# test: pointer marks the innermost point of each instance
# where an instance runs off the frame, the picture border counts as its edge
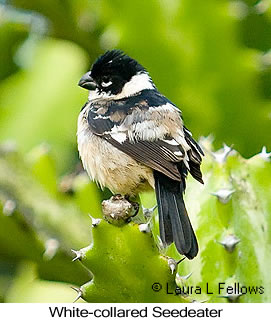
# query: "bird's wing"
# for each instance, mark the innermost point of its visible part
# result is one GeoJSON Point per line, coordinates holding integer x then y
{"type": "Point", "coordinates": [148, 128]}
{"type": "Point", "coordinates": [194, 156]}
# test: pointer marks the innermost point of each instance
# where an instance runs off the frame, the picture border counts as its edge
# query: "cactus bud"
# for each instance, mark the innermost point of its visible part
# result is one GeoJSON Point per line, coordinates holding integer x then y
{"type": "Point", "coordinates": [118, 210]}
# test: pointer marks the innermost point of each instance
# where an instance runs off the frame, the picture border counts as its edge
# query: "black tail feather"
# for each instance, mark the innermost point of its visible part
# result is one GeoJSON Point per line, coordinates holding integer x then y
{"type": "Point", "coordinates": [164, 219]}
{"type": "Point", "coordinates": [174, 223]}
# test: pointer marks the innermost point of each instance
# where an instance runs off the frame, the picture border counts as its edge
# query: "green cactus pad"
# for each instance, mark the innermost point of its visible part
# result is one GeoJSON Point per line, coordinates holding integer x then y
{"type": "Point", "coordinates": [231, 215]}
{"type": "Point", "coordinates": [127, 267]}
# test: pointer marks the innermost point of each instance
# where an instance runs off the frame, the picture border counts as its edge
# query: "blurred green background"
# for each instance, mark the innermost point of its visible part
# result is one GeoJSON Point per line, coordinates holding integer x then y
{"type": "Point", "coordinates": [212, 58]}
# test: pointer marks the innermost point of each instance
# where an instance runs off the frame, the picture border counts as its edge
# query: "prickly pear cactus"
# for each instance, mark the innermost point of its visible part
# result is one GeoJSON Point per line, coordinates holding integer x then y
{"type": "Point", "coordinates": [231, 214]}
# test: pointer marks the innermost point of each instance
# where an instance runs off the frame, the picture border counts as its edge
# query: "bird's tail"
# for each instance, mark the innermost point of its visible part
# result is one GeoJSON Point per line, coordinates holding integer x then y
{"type": "Point", "coordinates": [174, 223]}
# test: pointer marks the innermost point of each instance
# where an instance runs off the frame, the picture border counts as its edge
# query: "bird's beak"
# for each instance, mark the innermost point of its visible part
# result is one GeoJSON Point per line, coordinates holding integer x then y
{"type": "Point", "coordinates": [87, 82]}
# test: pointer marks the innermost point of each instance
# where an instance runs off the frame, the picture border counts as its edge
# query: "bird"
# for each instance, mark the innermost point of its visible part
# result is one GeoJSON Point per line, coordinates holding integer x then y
{"type": "Point", "coordinates": [131, 139]}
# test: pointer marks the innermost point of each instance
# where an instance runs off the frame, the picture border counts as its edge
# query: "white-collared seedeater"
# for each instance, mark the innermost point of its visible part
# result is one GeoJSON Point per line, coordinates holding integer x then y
{"type": "Point", "coordinates": [131, 138]}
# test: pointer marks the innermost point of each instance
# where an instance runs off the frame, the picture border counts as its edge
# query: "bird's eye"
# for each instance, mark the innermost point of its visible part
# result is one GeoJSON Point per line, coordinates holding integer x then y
{"type": "Point", "coordinates": [106, 82]}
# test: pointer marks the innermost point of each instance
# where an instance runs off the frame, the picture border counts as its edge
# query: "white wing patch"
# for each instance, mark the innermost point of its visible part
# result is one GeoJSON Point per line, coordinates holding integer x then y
{"type": "Point", "coordinates": [178, 153]}
{"type": "Point", "coordinates": [119, 136]}
{"type": "Point", "coordinates": [172, 142]}
{"type": "Point", "coordinates": [100, 116]}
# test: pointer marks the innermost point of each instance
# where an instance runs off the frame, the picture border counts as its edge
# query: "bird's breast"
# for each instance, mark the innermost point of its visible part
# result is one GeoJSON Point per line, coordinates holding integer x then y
{"type": "Point", "coordinates": [109, 166]}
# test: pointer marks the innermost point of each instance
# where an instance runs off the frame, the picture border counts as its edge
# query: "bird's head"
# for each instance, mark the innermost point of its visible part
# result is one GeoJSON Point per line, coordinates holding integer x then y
{"type": "Point", "coordinates": [115, 75]}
